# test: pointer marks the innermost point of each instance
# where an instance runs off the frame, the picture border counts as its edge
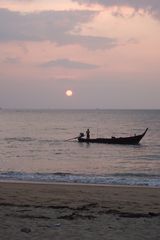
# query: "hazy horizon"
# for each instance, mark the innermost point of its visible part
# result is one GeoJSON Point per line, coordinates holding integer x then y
{"type": "Point", "coordinates": [85, 109]}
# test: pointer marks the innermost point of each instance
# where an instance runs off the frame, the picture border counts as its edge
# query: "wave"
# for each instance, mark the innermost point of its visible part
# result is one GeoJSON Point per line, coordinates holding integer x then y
{"type": "Point", "coordinates": [29, 139]}
{"type": "Point", "coordinates": [115, 179]}
{"type": "Point", "coordinates": [20, 139]}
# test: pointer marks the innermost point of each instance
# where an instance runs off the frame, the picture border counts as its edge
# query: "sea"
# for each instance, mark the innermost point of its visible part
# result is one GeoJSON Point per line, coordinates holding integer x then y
{"type": "Point", "coordinates": [41, 146]}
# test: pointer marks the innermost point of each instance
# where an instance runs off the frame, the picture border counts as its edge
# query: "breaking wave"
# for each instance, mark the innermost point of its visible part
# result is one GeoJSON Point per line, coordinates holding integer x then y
{"type": "Point", "coordinates": [115, 179]}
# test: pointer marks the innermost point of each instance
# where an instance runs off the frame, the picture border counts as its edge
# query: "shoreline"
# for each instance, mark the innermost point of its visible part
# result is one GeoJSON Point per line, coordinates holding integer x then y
{"type": "Point", "coordinates": [76, 183]}
{"type": "Point", "coordinates": [121, 179]}
{"type": "Point", "coordinates": [78, 211]}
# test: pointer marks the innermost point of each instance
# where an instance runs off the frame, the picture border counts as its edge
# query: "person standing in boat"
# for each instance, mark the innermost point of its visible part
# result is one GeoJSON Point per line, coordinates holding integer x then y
{"type": "Point", "coordinates": [88, 133]}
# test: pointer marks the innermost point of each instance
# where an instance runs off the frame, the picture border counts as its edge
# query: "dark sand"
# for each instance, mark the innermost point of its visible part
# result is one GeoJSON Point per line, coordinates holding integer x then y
{"type": "Point", "coordinates": [63, 211]}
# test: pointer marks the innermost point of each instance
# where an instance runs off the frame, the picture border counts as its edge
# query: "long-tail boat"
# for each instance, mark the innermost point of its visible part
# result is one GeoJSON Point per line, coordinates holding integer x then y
{"type": "Point", "coordinates": [132, 140]}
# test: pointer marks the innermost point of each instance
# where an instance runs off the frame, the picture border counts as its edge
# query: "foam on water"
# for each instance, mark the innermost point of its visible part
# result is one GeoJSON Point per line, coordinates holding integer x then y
{"type": "Point", "coordinates": [117, 179]}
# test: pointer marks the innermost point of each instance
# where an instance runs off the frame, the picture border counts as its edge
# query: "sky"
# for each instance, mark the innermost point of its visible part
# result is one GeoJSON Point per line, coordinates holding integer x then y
{"type": "Point", "coordinates": [107, 52]}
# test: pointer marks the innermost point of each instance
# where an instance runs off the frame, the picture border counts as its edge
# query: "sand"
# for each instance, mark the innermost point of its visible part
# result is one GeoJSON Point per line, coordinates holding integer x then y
{"type": "Point", "coordinates": [64, 211]}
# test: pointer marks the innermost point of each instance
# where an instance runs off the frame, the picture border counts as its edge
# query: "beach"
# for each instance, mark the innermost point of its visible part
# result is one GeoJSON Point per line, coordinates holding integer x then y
{"type": "Point", "coordinates": [76, 211]}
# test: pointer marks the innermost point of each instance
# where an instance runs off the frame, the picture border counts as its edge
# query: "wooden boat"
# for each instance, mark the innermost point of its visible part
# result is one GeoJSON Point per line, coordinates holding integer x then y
{"type": "Point", "coordinates": [114, 140]}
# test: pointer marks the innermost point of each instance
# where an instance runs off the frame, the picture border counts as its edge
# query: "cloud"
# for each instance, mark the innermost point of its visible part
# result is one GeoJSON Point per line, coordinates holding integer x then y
{"type": "Point", "coordinates": [150, 6]}
{"type": "Point", "coordinates": [55, 26]}
{"type": "Point", "coordinates": [66, 63]}
{"type": "Point", "coordinates": [11, 60]}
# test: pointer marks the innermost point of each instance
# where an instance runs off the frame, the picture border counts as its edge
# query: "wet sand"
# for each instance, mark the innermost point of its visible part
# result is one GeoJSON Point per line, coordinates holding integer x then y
{"type": "Point", "coordinates": [65, 211]}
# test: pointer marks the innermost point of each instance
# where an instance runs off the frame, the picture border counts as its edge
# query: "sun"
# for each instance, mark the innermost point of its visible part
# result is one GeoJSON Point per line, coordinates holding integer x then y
{"type": "Point", "coordinates": [69, 93]}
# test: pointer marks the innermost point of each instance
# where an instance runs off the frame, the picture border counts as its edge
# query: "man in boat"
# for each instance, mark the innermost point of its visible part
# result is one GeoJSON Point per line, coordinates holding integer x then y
{"type": "Point", "coordinates": [88, 133]}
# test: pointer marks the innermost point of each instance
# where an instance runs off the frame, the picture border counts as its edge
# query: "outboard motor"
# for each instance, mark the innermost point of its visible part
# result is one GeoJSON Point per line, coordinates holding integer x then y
{"type": "Point", "coordinates": [81, 135]}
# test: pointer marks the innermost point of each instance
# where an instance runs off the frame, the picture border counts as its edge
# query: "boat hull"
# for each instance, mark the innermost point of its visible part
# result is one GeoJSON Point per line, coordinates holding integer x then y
{"type": "Point", "coordinates": [133, 140]}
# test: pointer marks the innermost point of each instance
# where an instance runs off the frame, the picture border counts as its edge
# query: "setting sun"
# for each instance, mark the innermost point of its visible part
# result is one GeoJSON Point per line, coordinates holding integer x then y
{"type": "Point", "coordinates": [69, 93]}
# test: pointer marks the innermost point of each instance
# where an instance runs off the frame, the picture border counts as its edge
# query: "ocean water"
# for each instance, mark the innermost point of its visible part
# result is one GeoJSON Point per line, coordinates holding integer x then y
{"type": "Point", "coordinates": [33, 147]}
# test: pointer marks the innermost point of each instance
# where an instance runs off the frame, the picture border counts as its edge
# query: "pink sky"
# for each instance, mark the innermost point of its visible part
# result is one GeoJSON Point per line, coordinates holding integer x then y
{"type": "Point", "coordinates": [107, 54]}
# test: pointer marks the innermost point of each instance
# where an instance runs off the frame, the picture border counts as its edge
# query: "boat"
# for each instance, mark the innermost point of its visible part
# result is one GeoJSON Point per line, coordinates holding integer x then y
{"type": "Point", "coordinates": [132, 140]}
